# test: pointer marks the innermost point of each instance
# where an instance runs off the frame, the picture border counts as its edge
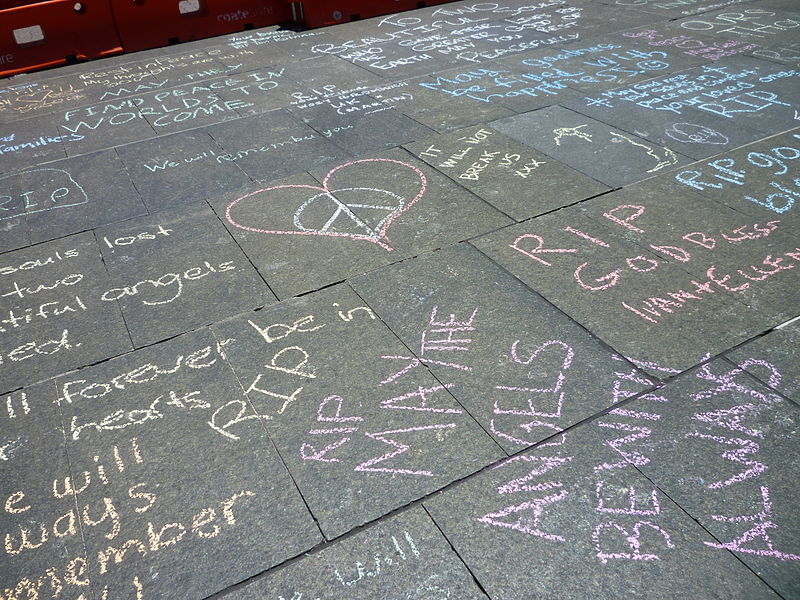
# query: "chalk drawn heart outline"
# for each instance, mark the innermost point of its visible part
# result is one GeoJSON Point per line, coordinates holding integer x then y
{"type": "Point", "coordinates": [379, 239]}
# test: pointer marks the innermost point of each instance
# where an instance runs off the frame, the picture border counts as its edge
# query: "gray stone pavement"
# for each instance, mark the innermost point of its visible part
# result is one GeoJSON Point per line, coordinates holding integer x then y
{"type": "Point", "coordinates": [484, 300]}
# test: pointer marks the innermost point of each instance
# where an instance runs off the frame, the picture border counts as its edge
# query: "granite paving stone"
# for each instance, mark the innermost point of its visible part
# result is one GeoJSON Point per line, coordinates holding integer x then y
{"type": "Point", "coordinates": [53, 319]}
{"type": "Point", "coordinates": [735, 445]}
{"type": "Point", "coordinates": [269, 88]}
{"type": "Point", "coordinates": [509, 83]}
{"type": "Point", "coordinates": [750, 260]}
{"type": "Point", "coordinates": [575, 520]}
{"type": "Point", "coordinates": [697, 136]}
{"type": "Point", "coordinates": [589, 66]}
{"type": "Point", "coordinates": [361, 125]}
{"type": "Point", "coordinates": [648, 309]}
{"type": "Point", "coordinates": [788, 54]}
{"type": "Point", "coordinates": [196, 104]}
{"type": "Point", "coordinates": [509, 175]}
{"type": "Point", "coordinates": [43, 550]}
{"type": "Point", "coordinates": [404, 557]}
{"type": "Point", "coordinates": [773, 359]}
{"type": "Point", "coordinates": [675, 10]}
{"type": "Point", "coordinates": [601, 151]}
{"type": "Point", "coordinates": [176, 474]}
{"type": "Point", "coordinates": [27, 98]}
{"type": "Point", "coordinates": [695, 48]}
{"type": "Point", "coordinates": [485, 300]}
{"type": "Point", "coordinates": [178, 170]}
{"type": "Point", "coordinates": [465, 319]}
{"type": "Point", "coordinates": [67, 196]}
{"type": "Point", "coordinates": [303, 233]}
{"type": "Point", "coordinates": [313, 367]}
{"type": "Point", "coordinates": [758, 179]}
{"type": "Point", "coordinates": [725, 117]}
{"type": "Point", "coordinates": [176, 271]}
{"type": "Point", "coordinates": [104, 125]}
{"type": "Point", "coordinates": [273, 145]}
{"type": "Point", "coordinates": [752, 23]}
{"type": "Point", "coordinates": [31, 140]}
{"type": "Point", "coordinates": [444, 111]}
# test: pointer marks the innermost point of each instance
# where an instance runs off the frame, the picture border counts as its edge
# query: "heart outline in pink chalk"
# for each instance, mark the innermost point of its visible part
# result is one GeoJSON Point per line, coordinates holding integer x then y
{"type": "Point", "coordinates": [380, 239]}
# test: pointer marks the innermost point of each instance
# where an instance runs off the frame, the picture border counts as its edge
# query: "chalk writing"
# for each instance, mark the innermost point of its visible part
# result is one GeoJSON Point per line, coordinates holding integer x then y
{"type": "Point", "coordinates": [725, 173]}
{"type": "Point", "coordinates": [750, 22]}
{"type": "Point", "coordinates": [459, 34]}
{"type": "Point", "coordinates": [55, 188]}
{"type": "Point", "coordinates": [532, 510]}
{"type": "Point", "coordinates": [382, 560]}
{"type": "Point", "coordinates": [539, 77]}
{"type": "Point", "coordinates": [393, 206]}
{"type": "Point", "coordinates": [692, 46]}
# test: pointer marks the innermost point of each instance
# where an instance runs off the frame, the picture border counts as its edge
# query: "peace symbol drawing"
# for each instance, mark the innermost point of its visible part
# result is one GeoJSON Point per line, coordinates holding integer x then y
{"type": "Point", "coordinates": [352, 202]}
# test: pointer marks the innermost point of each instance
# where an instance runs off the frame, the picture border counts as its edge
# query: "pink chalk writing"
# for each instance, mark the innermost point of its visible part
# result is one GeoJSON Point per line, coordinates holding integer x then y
{"type": "Point", "coordinates": [632, 540]}
{"type": "Point", "coordinates": [393, 205]}
{"type": "Point", "coordinates": [631, 457]}
{"type": "Point", "coordinates": [739, 454]}
{"type": "Point", "coordinates": [308, 452]}
{"type": "Point", "coordinates": [631, 509]}
{"type": "Point", "coordinates": [544, 402]}
{"type": "Point", "coordinates": [422, 394]}
{"type": "Point", "coordinates": [336, 417]}
{"type": "Point", "coordinates": [538, 249]}
{"type": "Point", "coordinates": [400, 448]}
{"type": "Point", "coordinates": [414, 362]}
{"type": "Point", "coordinates": [533, 510]}
{"type": "Point", "coordinates": [758, 531]}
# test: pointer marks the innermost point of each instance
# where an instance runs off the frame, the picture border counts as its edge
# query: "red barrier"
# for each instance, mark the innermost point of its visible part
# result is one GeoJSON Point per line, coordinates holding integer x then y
{"type": "Point", "coordinates": [318, 13]}
{"type": "Point", "coordinates": [35, 35]}
{"type": "Point", "coordinates": [152, 23]}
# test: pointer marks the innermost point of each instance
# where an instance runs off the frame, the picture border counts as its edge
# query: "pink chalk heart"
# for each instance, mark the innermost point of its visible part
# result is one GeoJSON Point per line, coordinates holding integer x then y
{"type": "Point", "coordinates": [344, 210]}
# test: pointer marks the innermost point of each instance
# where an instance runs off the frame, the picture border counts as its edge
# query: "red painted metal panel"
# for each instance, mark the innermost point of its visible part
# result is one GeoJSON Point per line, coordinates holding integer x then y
{"type": "Point", "coordinates": [152, 23]}
{"type": "Point", "coordinates": [35, 35]}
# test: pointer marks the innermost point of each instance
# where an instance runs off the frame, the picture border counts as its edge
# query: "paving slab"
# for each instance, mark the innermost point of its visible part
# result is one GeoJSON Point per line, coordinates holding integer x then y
{"type": "Point", "coordinates": [751, 259]}
{"type": "Point", "coordinates": [178, 170]}
{"type": "Point", "coordinates": [447, 35]}
{"type": "Point", "coordinates": [773, 359]}
{"type": "Point", "coordinates": [53, 319]}
{"type": "Point", "coordinates": [277, 86]}
{"type": "Point", "coordinates": [700, 112]}
{"type": "Point", "coordinates": [31, 140]}
{"type": "Point", "coordinates": [64, 197]}
{"type": "Point", "coordinates": [312, 367]}
{"type": "Point", "coordinates": [648, 308]}
{"type": "Point", "coordinates": [447, 112]}
{"type": "Point", "coordinates": [466, 320]}
{"type": "Point", "coordinates": [692, 45]}
{"type": "Point", "coordinates": [601, 151]}
{"type": "Point", "coordinates": [180, 478]}
{"type": "Point", "coordinates": [734, 443]}
{"type": "Point", "coordinates": [674, 10]}
{"type": "Point", "coordinates": [758, 179]}
{"type": "Point", "coordinates": [285, 41]}
{"type": "Point", "coordinates": [560, 521]}
{"type": "Point", "coordinates": [21, 99]}
{"type": "Point", "coordinates": [509, 175]}
{"type": "Point", "coordinates": [788, 53]}
{"type": "Point", "coordinates": [43, 552]}
{"type": "Point", "coordinates": [177, 271]}
{"type": "Point", "coordinates": [273, 145]}
{"type": "Point", "coordinates": [405, 556]}
{"type": "Point", "coordinates": [104, 125]}
{"type": "Point", "coordinates": [361, 125]}
{"type": "Point", "coordinates": [751, 23]}
{"type": "Point", "coordinates": [303, 233]}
